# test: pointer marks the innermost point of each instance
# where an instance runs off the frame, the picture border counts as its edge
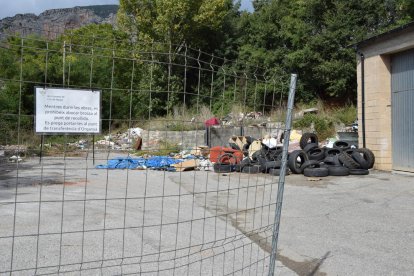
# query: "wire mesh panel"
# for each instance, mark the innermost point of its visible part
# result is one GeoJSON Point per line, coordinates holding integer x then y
{"type": "Point", "coordinates": [124, 201]}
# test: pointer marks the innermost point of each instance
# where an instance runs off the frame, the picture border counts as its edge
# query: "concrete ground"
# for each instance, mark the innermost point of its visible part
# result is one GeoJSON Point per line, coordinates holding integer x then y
{"type": "Point", "coordinates": [199, 223]}
{"type": "Point", "coordinates": [356, 225]}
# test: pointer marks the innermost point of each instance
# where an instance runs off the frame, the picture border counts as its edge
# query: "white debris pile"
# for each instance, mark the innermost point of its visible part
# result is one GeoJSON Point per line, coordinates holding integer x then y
{"type": "Point", "coordinates": [121, 141]}
{"type": "Point", "coordinates": [12, 153]}
{"type": "Point", "coordinates": [205, 165]}
{"type": "Point", "coordinates": [9, 151]}
{"type": "Point", "coordinates": [255, 118]}
{"type": "Point", "coordinates": [15, 159]}
{"type": "Point", "coordinates": [81, 144]}
{"type": "Point", "coordinates": [270, 142]}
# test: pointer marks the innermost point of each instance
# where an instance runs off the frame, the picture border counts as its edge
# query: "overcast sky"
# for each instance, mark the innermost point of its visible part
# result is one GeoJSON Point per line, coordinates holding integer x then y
{"type": "Point", "coordinates": [12, 7]}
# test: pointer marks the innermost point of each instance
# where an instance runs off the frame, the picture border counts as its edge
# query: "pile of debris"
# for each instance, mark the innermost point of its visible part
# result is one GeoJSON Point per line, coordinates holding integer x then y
{"type": "Point", "coordinates": [13, 153]}
{"type": "Point", "coordinates": [130, 139]}
{"type": "Point", "coordinates": [248, 155]}
{"type": "Point", "coordinates": [235, 119]}
{"type": "Point", "coordinates": [193, 159]}
{"type": "Point", "coordinates": [81, 144]}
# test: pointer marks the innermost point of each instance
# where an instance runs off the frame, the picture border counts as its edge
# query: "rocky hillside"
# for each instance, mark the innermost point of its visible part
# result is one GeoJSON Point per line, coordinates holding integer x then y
{"type": "Point", "coordinates": [53, 22]}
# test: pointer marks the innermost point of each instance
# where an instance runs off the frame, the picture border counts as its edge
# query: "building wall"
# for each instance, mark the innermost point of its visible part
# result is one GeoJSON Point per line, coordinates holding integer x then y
{"type": "Point", "coordinates": [377, 109]}
{"type": "Point", "coordinates": [377, 52]}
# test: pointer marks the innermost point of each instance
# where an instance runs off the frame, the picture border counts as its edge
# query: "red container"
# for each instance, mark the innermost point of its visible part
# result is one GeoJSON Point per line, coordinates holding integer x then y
{"type": "Point", "coordinates": [225, 155]}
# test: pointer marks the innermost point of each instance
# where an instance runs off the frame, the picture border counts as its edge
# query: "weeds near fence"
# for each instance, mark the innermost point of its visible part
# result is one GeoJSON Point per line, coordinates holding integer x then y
{"type": "Point", "coordinates": [326, 121]}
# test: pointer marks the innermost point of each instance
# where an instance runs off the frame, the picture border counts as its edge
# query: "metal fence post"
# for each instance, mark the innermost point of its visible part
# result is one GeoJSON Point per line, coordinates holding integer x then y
{"type": "Point", "coordinates": [281, 184]}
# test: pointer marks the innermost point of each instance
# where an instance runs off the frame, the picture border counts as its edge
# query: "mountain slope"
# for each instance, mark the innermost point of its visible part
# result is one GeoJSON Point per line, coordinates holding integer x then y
{"type": "Point", "coordinates": [53, 22]}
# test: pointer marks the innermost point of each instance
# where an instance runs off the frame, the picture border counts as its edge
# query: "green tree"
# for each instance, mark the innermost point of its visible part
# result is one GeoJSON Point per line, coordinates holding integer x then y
{"type": "Point", "coordinates": [313, 37]}
{"type": "Point", "coordinates": [176, 21]}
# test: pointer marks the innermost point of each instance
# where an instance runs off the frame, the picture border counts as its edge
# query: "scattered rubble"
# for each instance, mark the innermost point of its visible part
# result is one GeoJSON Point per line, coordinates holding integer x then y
{"type": "Point", "coordinates": [81, 144]}
{"type": "Point", "coordinates": [187, 165]}
{"type": "Point", "coordinates": [15, 159]}
{"type": "Point", "coordinates": [244, 154]}
{"type": "Point", "coordinates": [14, 153]}
{"type": "Point", "coordinates": [130, 139]}
{"type": "Point", "coordinates": [235, 119]}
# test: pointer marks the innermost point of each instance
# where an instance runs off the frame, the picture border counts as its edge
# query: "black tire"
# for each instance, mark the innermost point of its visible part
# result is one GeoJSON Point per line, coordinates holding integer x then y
{"type": "Point", "coordinates": [349, 151]}
{"type": "Point", "coordinates": [358, 172]}
{"type": "Point", "coordinates": [368, 155]}
{"type": "Point", "coordinates": [296, 160]}
{"type": "Point", "coordinates": [316, 154]}
{"type": "Point", "coordinates": [308, 138]}
{"type": "Point", "coordinates": [276, 172]}
{"type": "Point", "coordinates": [348, 161]}
{"type": "Point", "coordinates": [332, 152]}
{"type": "Point", "coordinates": [310, 147]}
{"type": "Point", "coordinates": [249, 139]}
{"type": "Point", "coordinates": [223, 168]}
{"type": "Point", "coordinates": [338, 171]}
{"type": "Point", "coordinates": [245, 162]}
{"type": "Point", "coordinates": [256, 154]}
{"type": "Point", "coordinates": [316, 172]}
{"type": "Point", "coordinates": [251, 169]}
{"type": "Point", "coordinates": [234, 146]}
{"type": "Point", "coordinates": [323, 165]}
{"type": "Point", "coordinates": [342, 145]}
{"type": "Point", "coordinates": [274, 155]}
{"type": "Point", "coordinates": [230, 156]}
{"type": "Point", "coordinates": [332, 161]}
{"type": "Point", "coordinates": [310, 164]}
{"type": "Point", "coordinates": [359, 158]}
{"type": "Point", "coordinates": [261, 159]}
{"type": "Point", "coordinates": [246, 149]}
{"type": "Point", "coordinates": [265, 149]}
{"type": "Point", "coordinates": [270, 165]}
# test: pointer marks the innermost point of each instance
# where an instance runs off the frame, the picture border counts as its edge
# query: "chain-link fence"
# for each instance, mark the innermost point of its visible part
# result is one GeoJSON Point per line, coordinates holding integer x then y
{"type": "Point", "coordinates": [122, 201]}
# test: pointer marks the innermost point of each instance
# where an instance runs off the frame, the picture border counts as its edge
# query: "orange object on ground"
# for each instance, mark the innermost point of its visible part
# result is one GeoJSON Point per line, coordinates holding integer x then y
{"type": "Point", "coordinates": [225, 155]}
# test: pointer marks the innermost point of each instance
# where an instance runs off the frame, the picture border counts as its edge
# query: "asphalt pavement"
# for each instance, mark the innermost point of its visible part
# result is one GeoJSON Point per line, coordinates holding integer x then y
{"type": "Point", "coordinates": [64, 210]}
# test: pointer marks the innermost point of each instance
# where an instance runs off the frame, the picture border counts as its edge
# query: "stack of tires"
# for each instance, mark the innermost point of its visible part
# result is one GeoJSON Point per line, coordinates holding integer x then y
{"type": "Point", "coordinates": [265, 160]}
{"type": "Point", "coordinates": [341, 160]}
{"type": "Point", "coordinates": [258, 158]}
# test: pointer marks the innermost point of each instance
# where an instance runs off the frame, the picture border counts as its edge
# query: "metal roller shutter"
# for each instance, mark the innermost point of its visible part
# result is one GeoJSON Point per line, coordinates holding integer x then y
{"type": "Point", "coordinates": [402, 88]}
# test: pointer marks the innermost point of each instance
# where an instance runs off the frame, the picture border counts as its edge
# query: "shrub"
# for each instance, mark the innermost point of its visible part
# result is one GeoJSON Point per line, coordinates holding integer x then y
{"type": "Point", "coordinates": [324, 125]}
{"type": "Point", "coordinates": [346, 114]}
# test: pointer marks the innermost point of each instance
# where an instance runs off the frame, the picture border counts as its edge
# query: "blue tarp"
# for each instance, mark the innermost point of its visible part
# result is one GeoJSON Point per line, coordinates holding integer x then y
{"type": "Point", "coordinates": [161, 162]}
{"type": "Point", "coordinates": [156, 162]}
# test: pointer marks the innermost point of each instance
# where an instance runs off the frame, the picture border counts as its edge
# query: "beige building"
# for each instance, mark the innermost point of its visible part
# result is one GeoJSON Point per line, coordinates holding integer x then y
{"type": "Point", "coordinates": [386, 98]}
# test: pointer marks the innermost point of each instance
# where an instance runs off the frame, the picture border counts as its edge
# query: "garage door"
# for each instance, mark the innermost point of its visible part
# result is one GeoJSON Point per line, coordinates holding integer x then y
{"type": "Point", "coordinates": [402, 86]}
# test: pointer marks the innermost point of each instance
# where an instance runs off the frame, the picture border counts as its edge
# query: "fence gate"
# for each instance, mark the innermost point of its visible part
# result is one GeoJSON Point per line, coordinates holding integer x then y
{"type": "Point", "coordinates": [81, 195]}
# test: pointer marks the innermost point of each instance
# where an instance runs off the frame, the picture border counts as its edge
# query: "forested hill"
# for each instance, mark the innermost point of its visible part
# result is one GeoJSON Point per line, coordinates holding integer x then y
{"type": "Point", "coordinates": [52, 22]}
{"type": "Point", "coordinates": [309, 37]}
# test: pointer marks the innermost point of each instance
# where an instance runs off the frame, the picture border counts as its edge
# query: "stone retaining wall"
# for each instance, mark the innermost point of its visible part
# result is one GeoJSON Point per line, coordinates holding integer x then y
{"type": "Point", "coordinates": [218, 136]}
{"type": "Point", "coordinates": [186, 139]}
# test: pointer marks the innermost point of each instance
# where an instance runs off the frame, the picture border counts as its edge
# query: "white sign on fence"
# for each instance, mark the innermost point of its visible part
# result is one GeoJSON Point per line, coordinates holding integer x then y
{"type": "Point", "coordinates": [61, 110]}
